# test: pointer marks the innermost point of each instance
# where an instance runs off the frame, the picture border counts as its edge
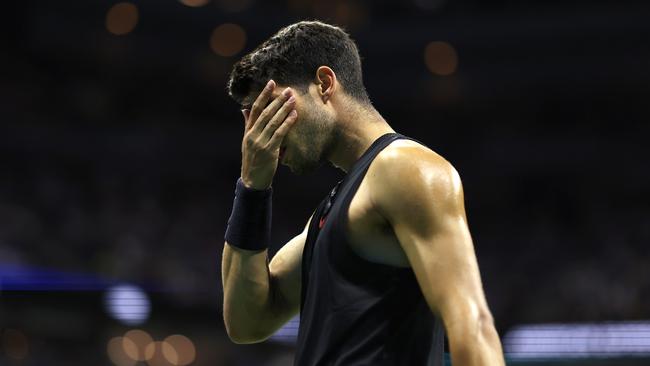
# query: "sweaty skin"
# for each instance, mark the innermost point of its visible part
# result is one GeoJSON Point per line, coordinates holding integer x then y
{"type": "Point", "coordinates": [418, 222]}
{"type": "Point", "coordinates": [427, 215]}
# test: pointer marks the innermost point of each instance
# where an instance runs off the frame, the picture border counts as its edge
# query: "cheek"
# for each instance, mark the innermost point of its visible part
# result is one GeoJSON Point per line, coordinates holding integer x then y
{"type": "Point", "coordinates": [298, 126]}
{"type": "Point", "coordinates": [292, 136]}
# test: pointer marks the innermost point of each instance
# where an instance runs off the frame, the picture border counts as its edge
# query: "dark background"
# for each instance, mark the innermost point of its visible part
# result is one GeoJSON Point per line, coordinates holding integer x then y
{"type": "Point", "coordinates": [119, 155]}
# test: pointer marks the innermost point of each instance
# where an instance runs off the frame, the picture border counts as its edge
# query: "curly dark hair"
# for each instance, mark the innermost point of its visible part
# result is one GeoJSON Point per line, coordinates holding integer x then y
{"type": "Point", "coordinates": [292, 56]}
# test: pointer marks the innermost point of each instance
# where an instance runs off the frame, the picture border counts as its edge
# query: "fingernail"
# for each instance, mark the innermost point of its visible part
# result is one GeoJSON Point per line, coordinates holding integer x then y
{"type": "Point", "coordinates": [291, 100]}
{"type": "Point", "coordinates": [245, 112]}
{"type": "Point", "coordinates": [286, 92]}
{"type": "Point", "coordinates": [269, 85]}
{"type": "Point", "coordinates": [293, 113]}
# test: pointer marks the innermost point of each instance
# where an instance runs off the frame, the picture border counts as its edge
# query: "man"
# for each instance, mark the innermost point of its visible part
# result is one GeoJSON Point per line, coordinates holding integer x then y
{"type": "Point", "coordinates": [386, 260]}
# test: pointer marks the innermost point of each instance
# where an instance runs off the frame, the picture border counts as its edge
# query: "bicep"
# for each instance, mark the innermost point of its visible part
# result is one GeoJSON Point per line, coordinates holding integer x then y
{"type": "Point", "coordinates": [445, 265]}
{"type": "Point", "coordinates": [286, 271]}
{"type": "Point", "coordinates": [428, 216]}
{"type": "Point", "coordinates": [446, 268]}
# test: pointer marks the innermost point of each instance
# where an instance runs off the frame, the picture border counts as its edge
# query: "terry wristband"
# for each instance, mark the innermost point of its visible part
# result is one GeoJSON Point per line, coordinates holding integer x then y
{"type": "Point", "coordinates": [249, 225]}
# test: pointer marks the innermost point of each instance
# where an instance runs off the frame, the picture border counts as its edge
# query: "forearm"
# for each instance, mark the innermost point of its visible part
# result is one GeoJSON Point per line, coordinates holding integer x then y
{"type": "Point", "coordinates": [246, 293]}
{"type": "Point", "coordinates": [249, 308]}
{"type": "Point", "coordinates": [476, 345]}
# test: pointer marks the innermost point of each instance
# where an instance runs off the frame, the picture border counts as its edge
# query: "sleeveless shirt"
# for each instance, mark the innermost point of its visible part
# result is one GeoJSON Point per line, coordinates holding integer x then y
{"type": "Point", "coordinates": [354, 312]}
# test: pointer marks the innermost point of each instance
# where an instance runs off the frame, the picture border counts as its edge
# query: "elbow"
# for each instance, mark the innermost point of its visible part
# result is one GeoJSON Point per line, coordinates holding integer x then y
{"type": "Point", "coordinates": [485, 321]}
{"type": "Point", "coordinates": [236, 336]}
{"type": "Point", "coordinates": [479, 344]}
{"type": "Point", "coordinates": [239, 339]}
{"type": "Point", "coordinates": [488, 332]}
{"type": "Point", "coordinates": [486, 336]}
{"type": "Point", "coordinates": [243, 336]}
{"type": "Point", "coordinates": [244, 326]}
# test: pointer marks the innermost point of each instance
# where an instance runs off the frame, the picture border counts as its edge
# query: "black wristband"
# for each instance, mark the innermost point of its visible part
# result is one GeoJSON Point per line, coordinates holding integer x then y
{"type": "Point", "coordinates": [249, 225]}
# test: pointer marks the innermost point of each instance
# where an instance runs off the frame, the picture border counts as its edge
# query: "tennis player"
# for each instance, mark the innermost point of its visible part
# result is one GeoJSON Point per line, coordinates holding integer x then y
{"type": "Point", "coordinates": [385, 266]}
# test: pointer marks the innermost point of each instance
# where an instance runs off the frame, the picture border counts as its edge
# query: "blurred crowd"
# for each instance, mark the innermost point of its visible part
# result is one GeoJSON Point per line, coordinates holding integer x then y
{"type": "Point", "coordinates": [558, 220]}
{"type": "Point", "coordinates": [119, 153]}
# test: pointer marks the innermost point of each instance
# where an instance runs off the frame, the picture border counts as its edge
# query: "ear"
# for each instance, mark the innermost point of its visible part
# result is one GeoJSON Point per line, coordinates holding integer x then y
{"type": "Point", "coordinates": [326, 82]}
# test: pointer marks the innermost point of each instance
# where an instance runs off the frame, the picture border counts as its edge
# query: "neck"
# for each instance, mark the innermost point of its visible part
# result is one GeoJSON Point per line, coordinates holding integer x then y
{"type": "Point", "coordinates": [356, 130]}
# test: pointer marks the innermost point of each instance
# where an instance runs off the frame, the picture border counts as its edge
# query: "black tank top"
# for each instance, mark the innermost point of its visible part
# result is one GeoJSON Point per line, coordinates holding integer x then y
{"type": "Point", "coordinates": [354, 312]}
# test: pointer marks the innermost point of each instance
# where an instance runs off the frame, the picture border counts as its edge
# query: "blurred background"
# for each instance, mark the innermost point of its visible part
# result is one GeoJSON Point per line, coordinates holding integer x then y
{"type": "Point", "coordinates": [119, 152]}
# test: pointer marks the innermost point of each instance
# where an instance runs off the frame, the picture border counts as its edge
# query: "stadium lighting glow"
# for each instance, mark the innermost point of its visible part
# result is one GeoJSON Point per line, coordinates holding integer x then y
{"type": "Point", "coordinates": [122, 18]}
{"type": "Point", "coordinates": [194, 3]}
{"type": "Point", "coordinates": [595, 340]}
{"type": "Point", "coordinates": [128, 304]}
{"type": "Point", "coordinates": [135, 342]}
{"type": "Point", "coordinates": [115, 351]}
{"type": "Point", "coordinates": [288, 333]}
{"type": "Point", "coordinates": [181, 350]}
{"type": "Point", "coordinates": [157, 352]}
{"type": "Point", "coordinates": [440, 58]}
{"type": "Point", "coordinates": [228, 39]}
{"type": "Point", "coordinates": [14, 344]}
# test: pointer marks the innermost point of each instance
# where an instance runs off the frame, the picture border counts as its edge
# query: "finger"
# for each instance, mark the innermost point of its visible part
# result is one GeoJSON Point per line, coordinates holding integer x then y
{"type": "Point", "coordinates": [262, 100]}
{"type": "Point", "coordinates": [246, 113]}
{"type": "Point", "coordinates": [281, 132]}
{"type": "Point", "coordinates": [278, 118]}
{"type": "Point", "coordinates": [268, 112]}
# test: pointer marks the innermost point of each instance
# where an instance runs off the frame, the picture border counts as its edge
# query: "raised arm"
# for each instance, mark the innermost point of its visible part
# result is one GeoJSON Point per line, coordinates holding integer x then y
{"type": "Point", "coordinates": [427, 213]}
{"type": "Point", "coordinates": [258, 297]}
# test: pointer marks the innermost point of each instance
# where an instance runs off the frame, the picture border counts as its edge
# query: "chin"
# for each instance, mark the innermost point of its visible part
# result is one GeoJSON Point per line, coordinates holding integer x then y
{"type": "Point", "coordinates": [303, 162]}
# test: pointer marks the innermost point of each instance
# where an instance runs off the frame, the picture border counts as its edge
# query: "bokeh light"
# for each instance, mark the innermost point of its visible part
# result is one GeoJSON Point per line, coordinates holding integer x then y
{"type": "Point", "coordinates": [350, 14]}
{"type": "Point", "coordinates": [155, 354]}
{"type": "Point", "coordinates": [195, 3]}
{"type": "Point", "coordinates": [169, 353]}
{"type": "Point", "coordinates": [135, 343]}
{"type": "Point", "coordinates": [122, 18]}
{"type": "Point", "coordinates": [181, 350]}
{"type": "Point", "coordinates": [116, 354]}
{"type": "Point", "coordinates": [441, 58]}
{"type": "Point", "coordinates": [127, 303]}
{"type": "Point", "coordinates": [228, 39]}
{"type": "Point", "coordinates": [14, 344]}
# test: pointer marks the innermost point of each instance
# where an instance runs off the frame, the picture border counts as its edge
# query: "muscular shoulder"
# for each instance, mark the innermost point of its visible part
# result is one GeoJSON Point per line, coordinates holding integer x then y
{"type": "Point", "coordinates": [408, 167]}
{"type": "Point", "coordinates": [407, 178]}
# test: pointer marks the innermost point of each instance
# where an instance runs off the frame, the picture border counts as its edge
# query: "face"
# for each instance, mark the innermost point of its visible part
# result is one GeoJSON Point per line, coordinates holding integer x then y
{"type": "Point", "coordinates": [309, 142]}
